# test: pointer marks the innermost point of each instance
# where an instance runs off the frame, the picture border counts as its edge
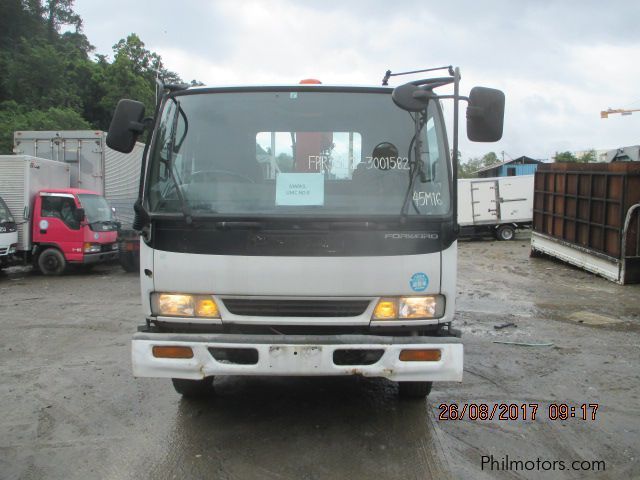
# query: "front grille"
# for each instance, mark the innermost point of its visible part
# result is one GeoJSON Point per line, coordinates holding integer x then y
{"type": "Point", "coordinates": [296, 308]}
{"type": "Point", "coordinates": [3, 251]}
{"type": "Point", "coordinates": [107, 247]}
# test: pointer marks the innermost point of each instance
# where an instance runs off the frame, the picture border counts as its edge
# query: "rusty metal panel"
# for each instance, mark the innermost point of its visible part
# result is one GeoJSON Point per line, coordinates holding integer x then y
{"type": "Point", "coordinates": [586, 204]}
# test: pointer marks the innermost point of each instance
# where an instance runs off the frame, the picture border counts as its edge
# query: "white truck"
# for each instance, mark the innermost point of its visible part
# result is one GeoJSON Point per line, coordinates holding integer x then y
{"type": "Point", "coordinates": [8, 235]}
{"type": "Point", "coordinates": [334, 256]}
{"type": "Point", "coordinates": [497, 205]}
{"type": "Point", "coordinates": [96, 167]}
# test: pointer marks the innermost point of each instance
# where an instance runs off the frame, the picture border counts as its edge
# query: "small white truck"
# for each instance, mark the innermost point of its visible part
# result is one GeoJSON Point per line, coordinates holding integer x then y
{"type": "Point", "coordinates": [497, 205]}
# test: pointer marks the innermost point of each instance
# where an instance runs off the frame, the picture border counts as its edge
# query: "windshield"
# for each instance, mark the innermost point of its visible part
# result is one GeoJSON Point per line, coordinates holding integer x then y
{"type": "Point", "coordinates": [96, 208]}
{"type": "Point", "coordinates": [5, 214]}
{"type": "Point", "coordinates": [304, 153]}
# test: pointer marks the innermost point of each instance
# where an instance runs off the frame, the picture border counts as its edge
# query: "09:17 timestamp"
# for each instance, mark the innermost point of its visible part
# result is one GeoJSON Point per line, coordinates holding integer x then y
{"type": "Point", "coordinates": [516, 411]}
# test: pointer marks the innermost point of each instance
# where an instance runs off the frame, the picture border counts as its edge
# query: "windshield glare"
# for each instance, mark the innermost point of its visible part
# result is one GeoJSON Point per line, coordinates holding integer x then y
{"type": "Point", "coordinates": [96, 208]}
{"type": "Point", "coordinates": [305, 153]}
{"type": "Point", "coordinates": [5, 215]}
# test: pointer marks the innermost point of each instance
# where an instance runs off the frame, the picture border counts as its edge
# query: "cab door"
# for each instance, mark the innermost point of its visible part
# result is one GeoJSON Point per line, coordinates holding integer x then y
{"type": "Point", "coordinates": [55, 224]}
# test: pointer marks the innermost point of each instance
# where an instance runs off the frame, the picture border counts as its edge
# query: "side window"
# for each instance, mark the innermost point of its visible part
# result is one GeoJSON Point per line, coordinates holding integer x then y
{"type": "Point", "coordinates": [50, 207]}
{"type": "Point", "coordinates": [61, 208]}
{"type": "Point", "coordinates": [433, 149]}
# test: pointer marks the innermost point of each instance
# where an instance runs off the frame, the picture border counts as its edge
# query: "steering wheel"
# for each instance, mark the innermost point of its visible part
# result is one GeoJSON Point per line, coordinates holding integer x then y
{"type": "Point", "coordinates": [204, 174]}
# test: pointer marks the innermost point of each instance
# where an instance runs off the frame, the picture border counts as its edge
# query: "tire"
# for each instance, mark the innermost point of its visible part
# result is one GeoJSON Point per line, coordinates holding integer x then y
{"type": "Point", "coordinates": [414, 389]}
{"type": "Point", "coordinates": [51, 262]}
{"type": "Point", "coordinates": [506, 232]}
{"type": "Point", "coordinates": [193, 388]}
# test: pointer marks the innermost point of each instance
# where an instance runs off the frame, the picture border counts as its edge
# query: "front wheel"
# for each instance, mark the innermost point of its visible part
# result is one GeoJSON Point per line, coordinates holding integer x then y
{"type": "Point", "coordinates": [193, 388]}
{"type": "Point", "coordinates": [414, 389]}
{"type": "Point", "coordinates": [51, 262]}
{"type": "Point", "coordinates": [506, 232]}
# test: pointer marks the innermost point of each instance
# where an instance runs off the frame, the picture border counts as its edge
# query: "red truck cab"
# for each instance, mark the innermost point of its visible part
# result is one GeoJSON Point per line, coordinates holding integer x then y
{"type": "Point", "coordinates": [72, 226]}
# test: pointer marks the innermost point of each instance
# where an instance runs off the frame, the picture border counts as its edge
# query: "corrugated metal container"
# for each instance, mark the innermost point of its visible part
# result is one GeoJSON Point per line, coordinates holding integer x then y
{"type": "Point", "coordinates": [80, 149]}
{"type": "Point", "coordinates": [594, 209]}
{"type": "Point", "coordinates": [122, 181]}
{"type": "Point", "coordinates": [21, 177]}
{"type": "Point", "coordinates": [94, 166]}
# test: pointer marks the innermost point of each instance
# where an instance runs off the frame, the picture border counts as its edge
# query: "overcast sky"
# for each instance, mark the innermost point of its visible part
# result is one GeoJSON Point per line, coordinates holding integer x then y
{"type": "Point", "coordinates": [558, 62]}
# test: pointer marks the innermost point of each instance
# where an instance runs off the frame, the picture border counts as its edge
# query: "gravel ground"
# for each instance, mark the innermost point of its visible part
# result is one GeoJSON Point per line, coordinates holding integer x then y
{"type": "Point", "coordinates": [71, 409]}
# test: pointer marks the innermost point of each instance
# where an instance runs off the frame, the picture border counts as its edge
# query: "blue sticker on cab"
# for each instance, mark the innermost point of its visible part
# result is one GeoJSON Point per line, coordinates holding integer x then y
{"type": "Point", "coordinates": [419, 282]}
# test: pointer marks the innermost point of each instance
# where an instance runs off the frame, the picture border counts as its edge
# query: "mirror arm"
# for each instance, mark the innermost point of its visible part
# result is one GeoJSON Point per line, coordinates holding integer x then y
{"type": "Point", "coordinates": [137, 127]}
{"type": "Point", "coordinates": [459, 97]}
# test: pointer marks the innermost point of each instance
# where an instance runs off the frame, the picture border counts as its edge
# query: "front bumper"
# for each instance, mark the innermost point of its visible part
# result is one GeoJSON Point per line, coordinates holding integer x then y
{"type": "Point", "coordinates": [102, 257]}
{"type": "Point", "coordinates": [302, 355]}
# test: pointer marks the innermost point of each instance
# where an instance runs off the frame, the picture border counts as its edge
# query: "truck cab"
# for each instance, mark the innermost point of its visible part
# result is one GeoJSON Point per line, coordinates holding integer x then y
{"type": "Point", "coordinates": [302, 229]}
{"type": "Point", "coordinates": [8, 235]}
{"type": "Point", "coordinates": [72, 227]}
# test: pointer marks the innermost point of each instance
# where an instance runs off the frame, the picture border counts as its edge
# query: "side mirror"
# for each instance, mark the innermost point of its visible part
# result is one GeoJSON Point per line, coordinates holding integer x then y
{"type": "Point", "coordinates": [485, 115]}
{"type": "Point", "coordinates": [78, 214]}
{"type": "Point", "coordinates": [126, 125]}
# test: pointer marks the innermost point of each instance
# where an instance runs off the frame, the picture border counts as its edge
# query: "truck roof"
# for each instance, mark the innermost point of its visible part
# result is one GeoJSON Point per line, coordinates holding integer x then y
{"type": "Point", "coordinates": [291, 86]}
{"type": "Point", "coordinates": [74, 191]}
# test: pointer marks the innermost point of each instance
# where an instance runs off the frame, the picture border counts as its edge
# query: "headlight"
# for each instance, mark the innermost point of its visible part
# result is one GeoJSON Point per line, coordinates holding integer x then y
{"type": "Point", "coordinates": [184, 305]}
{"type": "Point", "coordinates": [409, 308]}
{"type": "Point", "coordinates": [92, 247]}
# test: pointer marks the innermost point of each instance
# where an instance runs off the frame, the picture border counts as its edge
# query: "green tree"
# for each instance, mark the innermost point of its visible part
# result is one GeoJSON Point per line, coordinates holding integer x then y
{"type": "Point", "coordinates": [13, 117]}
{"type": "Point", "coordinates": [565, 157]}
{"type": "Point", "coordinates": [590, 156]}
{"type": "Point", "coordinates": [469, 168]}
{"type": "Point", "coordinates": [48, 79]}
{"type": "Point", "coordinates": [131, 75]}
{"type": "Point", "coordinates": [58, 13]}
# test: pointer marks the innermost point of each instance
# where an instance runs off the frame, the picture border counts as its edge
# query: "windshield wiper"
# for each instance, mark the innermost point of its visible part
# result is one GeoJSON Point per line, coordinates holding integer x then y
{"type": "Point", "coordinates": [103, 222]}
{"type": "Point", "coordinates": [416, 166]}
{"type": "Point", "coordinates": [186, 211]}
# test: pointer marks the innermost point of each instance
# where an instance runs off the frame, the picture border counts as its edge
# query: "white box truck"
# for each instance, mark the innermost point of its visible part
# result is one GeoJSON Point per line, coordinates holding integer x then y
{"type": "Point", "coordinates": [497, 205]}
{"type": "Point", "coordinates": [96, 167]}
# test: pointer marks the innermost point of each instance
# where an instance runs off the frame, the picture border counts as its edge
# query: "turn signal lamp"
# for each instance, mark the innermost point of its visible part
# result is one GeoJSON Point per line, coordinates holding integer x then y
{"type": "Point", "coordinates": [172, 351]}
{"type": "Point", "coordinates": [184, 305]}
{"type": "Point", "coordinates": [387, 309]}
{"type": "Point", "coordinates": [426, 355]}
{"type": "Point", "coordinates": [206, 307]}
{"type": "Point", "coordinates": [91, 247]}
